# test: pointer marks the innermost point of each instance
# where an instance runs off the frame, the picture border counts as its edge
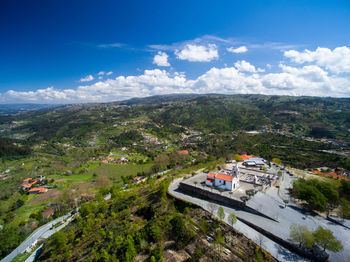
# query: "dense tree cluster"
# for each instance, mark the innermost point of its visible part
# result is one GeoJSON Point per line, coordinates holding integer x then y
{"type": "Point", "coordinates": [9, 148]}
{"type": "Point", "coordinates": [324, 196]}
{"type": "Point", "coordinates": [110, 231]}
{"type": "Point", "coordinates": [318, 194]}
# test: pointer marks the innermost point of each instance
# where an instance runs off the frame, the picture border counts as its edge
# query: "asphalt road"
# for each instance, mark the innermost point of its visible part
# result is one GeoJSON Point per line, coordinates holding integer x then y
{"type": "Point", "coordinates": [42, 232]}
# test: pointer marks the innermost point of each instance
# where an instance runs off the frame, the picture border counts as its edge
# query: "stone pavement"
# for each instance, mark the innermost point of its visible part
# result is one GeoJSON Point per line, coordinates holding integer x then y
{"type": "Point", "coordinates": [272, 204]}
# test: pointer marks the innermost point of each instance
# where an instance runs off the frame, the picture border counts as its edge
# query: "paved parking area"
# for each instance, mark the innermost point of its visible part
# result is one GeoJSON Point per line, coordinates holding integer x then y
{"type": "Point", "coordinates": [271, 203]}
{"type": "Point", "coordinates": [279, 252]}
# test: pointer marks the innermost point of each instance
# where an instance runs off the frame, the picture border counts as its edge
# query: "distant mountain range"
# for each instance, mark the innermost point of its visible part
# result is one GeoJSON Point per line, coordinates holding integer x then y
{"type": "Point", "coordinates": [20, 108]}
{"type": "Point", "coordinates": [315, 116]}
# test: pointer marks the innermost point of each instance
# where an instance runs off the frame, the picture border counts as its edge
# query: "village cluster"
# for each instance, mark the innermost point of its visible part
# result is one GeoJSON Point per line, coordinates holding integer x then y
{"type": "Point", "coordinates": [336, 142]}
{"type": "Point", "coordinates": [116, 159]}
{"type": "Point", "coordinates": [34, 186]}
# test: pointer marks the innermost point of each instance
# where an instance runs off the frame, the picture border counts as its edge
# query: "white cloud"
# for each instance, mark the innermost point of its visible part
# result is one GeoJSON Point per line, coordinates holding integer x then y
{"type": "Point", "coordinates": [245, 66]}
{"type": "Point", "coordinates": [336, 60]}
{"type": "Point", "coordinates": [101, 73]}
{"type": "Point", "coordinates": [151, 82]}
{"type": "Point", "coordinates": [198, 53]}
{"type": "Point", "coordinates": [308, 80]}
{"type": "Point", "coordinates": [241, 49]}
{"type": "Point", "coordinates": [161, 59]}
{"type": "Point", "coordinates": [87, 78]}
{"type": "Point", "coordinates": [109, 73]}
{"type": "Point", "coordinates": [317, 78]}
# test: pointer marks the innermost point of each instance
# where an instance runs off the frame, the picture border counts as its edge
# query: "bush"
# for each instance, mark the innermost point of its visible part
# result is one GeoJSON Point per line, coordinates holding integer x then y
{"type": "Point", "coordinates": [198, 253]}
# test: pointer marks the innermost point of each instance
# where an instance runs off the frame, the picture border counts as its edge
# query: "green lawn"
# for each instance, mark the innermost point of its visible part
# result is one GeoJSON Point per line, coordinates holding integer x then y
{"type": "Point", "coordinates": [67, 181]}
{"type": "Point", "coordinates": [115, 171]}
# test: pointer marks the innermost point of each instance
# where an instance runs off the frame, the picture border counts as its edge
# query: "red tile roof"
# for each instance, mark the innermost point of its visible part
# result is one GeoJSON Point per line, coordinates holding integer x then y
{"type": "Point", "coordinates": [332, 174]}
{"type": "Point", "coordinates": [38, 189]}
{"type": "Point", "coordinates": [224, 177]}
{"type": "Point", "coordinates": [183, 152]}
{"type": "Point", "coordinates": [245, 157]}
{"type": "Point", "coordinates": [211, 175]}
{"type": "Point", "coordinates": [209, 180]}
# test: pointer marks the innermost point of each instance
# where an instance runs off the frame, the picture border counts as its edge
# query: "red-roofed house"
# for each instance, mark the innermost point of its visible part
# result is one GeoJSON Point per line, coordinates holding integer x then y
{"type": "Point", "coordinates": [224, 181]}
{"type": "Point", "coordinates": [183, 152]}
{"type": "Point", "coordinates": [28, 183]}
{"type": "Point", "coordinates": [37, 190]}
{"type": "Point", "coordinates": [331, 174]}
{"type": "Point", "coordinates": [210, 179]}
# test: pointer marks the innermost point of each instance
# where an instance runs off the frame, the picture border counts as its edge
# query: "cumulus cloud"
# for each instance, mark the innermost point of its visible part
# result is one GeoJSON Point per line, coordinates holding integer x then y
{"type": "Point", "coordinates": [245, 66]}
{"type": "Point", "coordinates": [311, 79]}
{"type": "Point", "coordinates": [161, 59]}
{"type": "Point", "coordinates": [198, 53]}
{"type": "Point", "coordinates": [109, 73]}
{"type": "Point", "coordinates": [87, 78]}
{"type": "Point", "coordinates": [101, 73]}
{"type": "Point", "coordinates": [241, 49]}
{"type": "Point", "coordinates": [151, 82]}
{"type": "Point", "coordinates": [336, 60]}
{"type": "Point", "coordinates": [308, 80]}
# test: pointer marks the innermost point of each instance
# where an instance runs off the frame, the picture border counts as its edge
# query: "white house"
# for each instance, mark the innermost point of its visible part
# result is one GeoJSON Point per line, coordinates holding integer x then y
{"type": "Point", "coordinates": [224, 181]}
{"type": "Point", "coordinates": [228, 181]}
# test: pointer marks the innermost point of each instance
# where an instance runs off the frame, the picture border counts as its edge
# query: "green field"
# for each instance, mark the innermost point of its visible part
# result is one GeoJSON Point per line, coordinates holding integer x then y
{"type": "Point", "coordinates": [116, 171]}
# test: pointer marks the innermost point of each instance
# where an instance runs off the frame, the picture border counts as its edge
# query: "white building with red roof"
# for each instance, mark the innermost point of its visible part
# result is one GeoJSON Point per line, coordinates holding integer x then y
{"type": "Point", "coordinates": [224, 180]}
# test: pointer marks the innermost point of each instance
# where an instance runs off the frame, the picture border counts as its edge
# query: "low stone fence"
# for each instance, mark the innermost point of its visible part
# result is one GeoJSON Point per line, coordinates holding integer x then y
{"type": "Point", "coordinates": [337, 222]}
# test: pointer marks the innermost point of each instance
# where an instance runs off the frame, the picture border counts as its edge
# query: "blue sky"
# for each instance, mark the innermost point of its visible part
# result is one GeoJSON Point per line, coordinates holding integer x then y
{"type": "Point", "coordinates": [53, 51]}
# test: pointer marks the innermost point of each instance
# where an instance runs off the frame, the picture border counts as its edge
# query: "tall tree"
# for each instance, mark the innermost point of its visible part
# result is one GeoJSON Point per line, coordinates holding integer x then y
{"type": "Point", "coordinates": [326, 239]}
{"type": "Point", "coordinates": [302, 235]}
{"type": "Point", "coordinates": [221, 213]}
{"type": "Point", "coordinates": [232, 219]}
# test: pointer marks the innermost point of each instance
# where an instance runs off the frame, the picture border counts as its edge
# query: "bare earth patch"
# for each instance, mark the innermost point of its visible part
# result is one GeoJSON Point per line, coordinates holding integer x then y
{"type": "Point", "coordinates": [46, 196]}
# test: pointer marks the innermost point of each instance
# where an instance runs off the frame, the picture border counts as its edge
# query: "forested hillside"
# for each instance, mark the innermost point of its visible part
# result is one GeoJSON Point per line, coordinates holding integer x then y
{"type": "Point", "coordinates": [317, 117]}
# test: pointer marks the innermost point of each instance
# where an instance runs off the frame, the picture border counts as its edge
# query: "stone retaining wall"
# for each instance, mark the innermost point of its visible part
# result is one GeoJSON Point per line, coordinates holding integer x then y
{"type": "Point", "coordinates": [232, 202]}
